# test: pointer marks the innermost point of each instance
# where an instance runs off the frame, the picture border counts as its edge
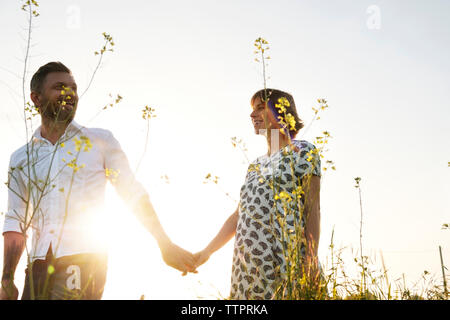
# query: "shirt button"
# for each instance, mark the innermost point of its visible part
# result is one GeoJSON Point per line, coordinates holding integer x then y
{"type": "Point", "coordinates": [52, 231]}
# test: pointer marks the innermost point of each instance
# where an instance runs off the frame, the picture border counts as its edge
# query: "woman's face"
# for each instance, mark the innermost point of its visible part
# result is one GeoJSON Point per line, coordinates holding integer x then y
{"type": "Point", "coordinates": [262, 117]}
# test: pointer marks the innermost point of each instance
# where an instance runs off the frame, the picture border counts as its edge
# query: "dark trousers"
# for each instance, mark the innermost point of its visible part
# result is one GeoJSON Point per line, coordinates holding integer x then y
{"type": "Point", "coordinates": [75, 277]}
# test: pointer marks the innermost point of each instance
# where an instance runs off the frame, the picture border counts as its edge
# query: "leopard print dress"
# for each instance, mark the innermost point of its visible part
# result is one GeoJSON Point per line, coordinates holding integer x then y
{"type": "Point", "coordinates": [269, 214]}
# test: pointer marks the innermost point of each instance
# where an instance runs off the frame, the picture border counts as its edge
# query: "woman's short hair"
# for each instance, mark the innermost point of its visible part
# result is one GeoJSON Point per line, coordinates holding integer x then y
{"type": "Point", "coordinates": [271, 96]}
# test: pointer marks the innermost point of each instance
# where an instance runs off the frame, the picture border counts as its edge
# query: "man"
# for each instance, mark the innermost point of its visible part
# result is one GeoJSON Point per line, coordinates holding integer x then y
{"type": "Point", "coordinates": [56, 186]}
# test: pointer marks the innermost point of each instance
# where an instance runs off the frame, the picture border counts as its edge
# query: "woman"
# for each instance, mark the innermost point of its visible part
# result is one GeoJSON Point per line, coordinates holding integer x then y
{"type": "Point", "coordinates": [277, 222]}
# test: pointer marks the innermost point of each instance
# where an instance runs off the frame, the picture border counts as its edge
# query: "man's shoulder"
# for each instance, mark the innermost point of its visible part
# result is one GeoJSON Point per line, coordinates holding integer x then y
{"type": "Point", "coordinates": [19, 156]}
{"type": "Point", "coordinates": [101, 137]}
{"type": "Point", "coordinates": [96, 133]}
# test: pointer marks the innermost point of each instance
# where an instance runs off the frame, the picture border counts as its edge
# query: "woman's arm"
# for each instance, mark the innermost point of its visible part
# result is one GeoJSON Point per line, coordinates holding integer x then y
{"type": "Point", "coordinates": [225, 234]}
{"type": "Point", "coordinates": [312, 227]}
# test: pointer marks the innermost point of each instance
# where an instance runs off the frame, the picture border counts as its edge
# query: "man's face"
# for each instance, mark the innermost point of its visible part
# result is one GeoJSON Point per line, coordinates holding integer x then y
{"type": "Point", "coordinates": [58, 98]}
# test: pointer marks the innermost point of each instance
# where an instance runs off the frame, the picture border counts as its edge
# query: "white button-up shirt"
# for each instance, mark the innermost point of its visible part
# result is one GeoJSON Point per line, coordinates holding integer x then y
{"type": "Point", "coordinates": [58, 190]}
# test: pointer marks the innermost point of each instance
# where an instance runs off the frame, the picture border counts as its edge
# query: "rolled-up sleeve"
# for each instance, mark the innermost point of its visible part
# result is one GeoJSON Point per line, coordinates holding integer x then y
{"type": "Point", "coordinates": [17, 198]}
{"type": "Point", "coordinates": [118, 171]}
{"type": "Point", "coordinates": [316, 162]}
{"type": "Point", "coordinates": [308, 162]}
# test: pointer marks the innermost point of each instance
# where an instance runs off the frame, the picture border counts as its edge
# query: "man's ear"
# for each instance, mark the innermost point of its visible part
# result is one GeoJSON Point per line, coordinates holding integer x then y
{"type": "Point", "coordinates": [35, 97]}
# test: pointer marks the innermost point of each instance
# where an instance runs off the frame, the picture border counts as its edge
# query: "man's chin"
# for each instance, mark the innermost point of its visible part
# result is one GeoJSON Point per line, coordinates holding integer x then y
{"type": "Point", "coordinates": [67, 119]}
{"type": "Point", "coordinates": [60, 115]}
{"type": "Point", "coordinates": [66, 114]}
{"type": "Point", "coordinates": [61, 118]}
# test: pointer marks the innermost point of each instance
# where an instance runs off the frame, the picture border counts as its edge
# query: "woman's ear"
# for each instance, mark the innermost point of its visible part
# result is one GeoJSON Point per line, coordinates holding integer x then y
{"type": "Point", "coordinates": [273, 122]}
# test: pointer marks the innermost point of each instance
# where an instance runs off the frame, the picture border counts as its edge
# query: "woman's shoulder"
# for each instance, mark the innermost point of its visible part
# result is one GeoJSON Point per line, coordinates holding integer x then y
{"type": "Point", "coordinates": [258, 160]}
{"type": "Point", "coordinates": [303, 144]}
{"type": "Point", "coordinates": [307, 158]}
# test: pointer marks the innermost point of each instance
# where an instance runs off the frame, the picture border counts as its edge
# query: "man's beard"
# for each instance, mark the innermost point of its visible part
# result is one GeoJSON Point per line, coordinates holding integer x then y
{"type": "Point", "coordinates": [54, 111]}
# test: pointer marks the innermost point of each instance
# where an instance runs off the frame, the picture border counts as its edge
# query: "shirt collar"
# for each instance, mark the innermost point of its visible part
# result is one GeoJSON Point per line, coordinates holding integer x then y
{"type": "Point", "coordinates": [72, 129]}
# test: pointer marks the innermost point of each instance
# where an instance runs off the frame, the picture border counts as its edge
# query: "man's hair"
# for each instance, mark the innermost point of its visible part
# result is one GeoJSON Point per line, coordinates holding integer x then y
{"type": "Point", "coordinates": [271, 96]}
{"type": "Point", "coordinates": [38, 79]}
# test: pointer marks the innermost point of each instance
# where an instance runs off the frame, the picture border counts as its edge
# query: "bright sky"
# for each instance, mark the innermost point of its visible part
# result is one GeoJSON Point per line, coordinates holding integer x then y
{"type": "Point", "coordinates": [382, 65]}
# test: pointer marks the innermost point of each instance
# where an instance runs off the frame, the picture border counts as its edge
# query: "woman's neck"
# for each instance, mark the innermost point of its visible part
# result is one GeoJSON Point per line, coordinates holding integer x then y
{"type": "Point", "coordinates": [276, 141]}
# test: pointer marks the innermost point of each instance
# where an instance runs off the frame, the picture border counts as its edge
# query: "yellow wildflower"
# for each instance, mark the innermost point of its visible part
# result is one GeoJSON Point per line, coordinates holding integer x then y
{"type": "Point", "coordinates": [283, 195]}
{"type": "Point", "coordinates": [83, 141]}
{"type": "Point", "coordinates": [298, 191]}
{"type": "Point", "coordinates": [50, 269]}
{"type": "Point", "coordinates": [148, 113]}
{"type": "Point", "coordinates": [77, 143]}
{"type": "Point", "coordinates": [283, 101]}
{"type": "Point", "coordinates": [281, 108]}
{"type": "Point", "coordinates": [112, 174]}
{"type": "Point", "coordinates": [291, 120]}
{"type": "Point", "coordinates": [87, 143]}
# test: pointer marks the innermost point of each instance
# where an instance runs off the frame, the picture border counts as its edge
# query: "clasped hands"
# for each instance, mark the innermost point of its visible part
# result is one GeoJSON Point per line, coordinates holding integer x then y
{"type": "Point", "coordinates": [183, 260]}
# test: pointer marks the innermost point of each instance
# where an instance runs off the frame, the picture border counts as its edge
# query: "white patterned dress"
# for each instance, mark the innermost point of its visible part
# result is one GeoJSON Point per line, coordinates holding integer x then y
{"type": "Point", "coordinates": [269, 210]}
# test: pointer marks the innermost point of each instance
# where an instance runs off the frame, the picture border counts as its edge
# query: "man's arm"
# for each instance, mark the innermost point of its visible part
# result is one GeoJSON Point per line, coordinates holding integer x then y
{"type": "Point", "coordinates": [15, 221]}
{"type": "Point", "coordinates": [132, 192]}
{"type": "Point", "coordinates": [172, 254]}
{"type": "Point", "coordinates": [14, 244]}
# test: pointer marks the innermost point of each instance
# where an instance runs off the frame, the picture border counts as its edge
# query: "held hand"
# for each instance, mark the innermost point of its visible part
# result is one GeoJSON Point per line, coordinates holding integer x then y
{"type": "Point", "coordinates": [201, 257]}
{"type": "Point", "coordinates": [9, 290]}
{"type": "Point", "coordinates": [178, 258]}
